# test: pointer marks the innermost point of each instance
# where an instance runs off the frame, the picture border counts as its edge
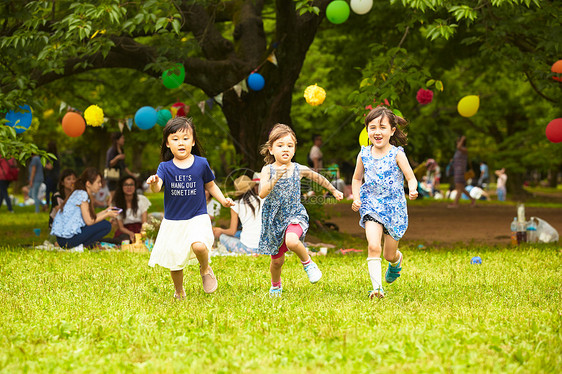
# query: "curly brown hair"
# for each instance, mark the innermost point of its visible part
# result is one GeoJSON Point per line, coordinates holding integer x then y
{"type": "Point", "coordinates": [277, 132]}
{"type": "Point", "coordinates": [399, 138]}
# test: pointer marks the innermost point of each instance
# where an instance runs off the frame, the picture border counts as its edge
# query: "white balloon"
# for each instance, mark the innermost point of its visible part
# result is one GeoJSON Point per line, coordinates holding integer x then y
{"type": "Point", "coordinates": [361, 6]}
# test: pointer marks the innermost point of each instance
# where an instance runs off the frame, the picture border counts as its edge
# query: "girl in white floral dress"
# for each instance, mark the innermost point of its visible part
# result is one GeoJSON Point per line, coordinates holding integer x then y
{"type": "Point", "coordinates": [381, 200]}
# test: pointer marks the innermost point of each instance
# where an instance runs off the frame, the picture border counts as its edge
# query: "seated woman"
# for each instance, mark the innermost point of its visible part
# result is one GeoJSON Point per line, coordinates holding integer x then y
{"type": "Point", "coordinates": [135, 209]}
{"type": "Point", "coordinates": [76, 223]}
{"type": "Point", "coordinates": [64, 189]}
{"type": "Point", "coordinates": [248, 208]}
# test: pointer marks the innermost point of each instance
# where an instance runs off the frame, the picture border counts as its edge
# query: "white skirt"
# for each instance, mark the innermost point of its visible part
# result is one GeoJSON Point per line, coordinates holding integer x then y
{"type": "Point", "coordinates": [172, 248]}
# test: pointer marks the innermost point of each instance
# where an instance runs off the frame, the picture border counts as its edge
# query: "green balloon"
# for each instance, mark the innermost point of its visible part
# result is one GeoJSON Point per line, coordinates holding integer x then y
{"type": "Point", "coordinates": [337, 11]}
{"type": "Point", "coordinates": [173, 78]}
{"type": "Point", "coordinates": [164, 115]}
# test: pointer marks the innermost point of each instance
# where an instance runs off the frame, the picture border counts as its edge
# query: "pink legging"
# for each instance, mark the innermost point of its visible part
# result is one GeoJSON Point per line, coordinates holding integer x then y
{"type": "Point", "coordinates": [294, 228]}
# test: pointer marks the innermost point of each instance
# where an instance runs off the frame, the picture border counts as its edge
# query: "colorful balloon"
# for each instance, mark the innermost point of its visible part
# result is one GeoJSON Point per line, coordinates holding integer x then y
{"type": "Point", "coordinates": [73, 124]}
{"type": "Point", "coordinates": [146, 117]}
{"type": "Point", "coordinates": [93, 116]}
{"type": "Point", "coordinates": [557, 69]}
{"type": "Point", "coordinates": [164, 115]}
{"type": "Point", "coordinates": [554, 130]}
{"type": "Point", "coordinates": [364, 138]}
{"type": "Point", "coordinates": [174, 77]}
{"type": "Point", "coordinates": [256, 81]}
{"type": "Point", "coordinates": [314, 95]}
{"type": "Point", "coordinates": [337, 12]}
{"type": "Point", "coordinates": [179, 109]}
{"type": "Point", "coordinates": [468, 105]}
{"type": "Point", "coordinates": [21, 120]}
{"type": "Point", "coordinates": [361, 6]}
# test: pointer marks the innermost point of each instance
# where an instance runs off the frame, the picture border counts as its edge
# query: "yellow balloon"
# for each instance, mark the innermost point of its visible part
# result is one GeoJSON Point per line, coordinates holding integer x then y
{"type": "Point", "coordinates": [468, 105]}
{"type": "Point", "coordinates": [364, 138]}
{"type": "Point", "coordinates": [314, 95]}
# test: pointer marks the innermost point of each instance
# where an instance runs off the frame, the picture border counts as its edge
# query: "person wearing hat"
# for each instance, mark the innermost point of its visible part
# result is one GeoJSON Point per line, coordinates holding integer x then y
{"type": "Point", "coordinates": [247, 208]}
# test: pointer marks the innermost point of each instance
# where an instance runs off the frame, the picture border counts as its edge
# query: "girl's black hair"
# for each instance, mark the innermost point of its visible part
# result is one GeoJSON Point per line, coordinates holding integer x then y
{"type": "Point", "coordinates": [88, 175]}
{"type": "Point", "coordinates": [250, 198]}
{"type": "Point", "coordinates": [115, 138]}
{"type": "Point", "coordinates": [65, 173]}
{"type": "Point", "coordinates": [399, 137]}
{"type": "Point", "coordinates": [174, 125]}
{"type": "Point", "coordinates": [119, 197]}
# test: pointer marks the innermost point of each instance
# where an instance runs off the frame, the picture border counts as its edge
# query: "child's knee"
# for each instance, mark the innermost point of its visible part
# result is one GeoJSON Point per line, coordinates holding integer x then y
{"type": "Point", "coordinates": [278, 262]}
{"type": "Point", "coordinates": [199, 248]}
{"type": "Point", "coordinates": [375, 250]}
{"type": "Point", "coordinates": [292, 241]}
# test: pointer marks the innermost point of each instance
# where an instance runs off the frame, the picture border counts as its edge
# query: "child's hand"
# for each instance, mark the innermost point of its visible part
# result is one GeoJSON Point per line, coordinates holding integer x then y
{"type": "Point", "coordinates": [356, 205]}
{"type": "Point", "coordinates": [228, 202]}
{"type": "Point", "coordinates": [152, 179]}
{"type": "Point", "coordinates": [338, 195]}
{"type": "Point", "coordinates": [281, 171]}
{"type": "Point", "coordinates": [413, 194]}
{"type": "Point", "coordinates": [111, 212]}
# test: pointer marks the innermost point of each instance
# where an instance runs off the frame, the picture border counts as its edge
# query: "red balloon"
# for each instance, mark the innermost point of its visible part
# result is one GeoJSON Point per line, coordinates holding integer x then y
{"type": "Point", "coordinates": [73, 124]}
{"type": "Point", "coordinates": [179, 109]}
{"type": "Point", "coordinates": [554, 130]}
{"type": "Point", "coordinates": [557, 69]}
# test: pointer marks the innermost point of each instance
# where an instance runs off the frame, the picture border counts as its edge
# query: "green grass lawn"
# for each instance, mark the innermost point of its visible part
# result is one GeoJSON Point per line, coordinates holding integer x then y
{"type": "Point", "coordinates": [110, 312]}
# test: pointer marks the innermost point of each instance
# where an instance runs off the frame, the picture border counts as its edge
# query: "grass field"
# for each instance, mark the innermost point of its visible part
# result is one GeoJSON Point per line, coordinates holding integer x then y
{"type": "Point", "coordinates": [110, 312]}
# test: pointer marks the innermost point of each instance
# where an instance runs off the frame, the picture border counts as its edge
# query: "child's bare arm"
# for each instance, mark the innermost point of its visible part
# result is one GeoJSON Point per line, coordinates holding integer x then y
{"type": "Point", "coordinates": [216, 192]}
{"type": "Point", "coordinates": [155, 183]}
{"type": "Point", "coordinates": [356, 183]}
{"type": "Point", "coordinates": [404, 165]}
{"type": "Point", "coordinates": [267, 184]}
{"type": "Point", "coordinates": [321, 180]}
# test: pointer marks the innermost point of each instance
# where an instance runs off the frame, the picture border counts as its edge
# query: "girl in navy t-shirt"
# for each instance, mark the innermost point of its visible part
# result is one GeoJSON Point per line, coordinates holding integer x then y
{"type": "Point", "coordinates": [186, 232]}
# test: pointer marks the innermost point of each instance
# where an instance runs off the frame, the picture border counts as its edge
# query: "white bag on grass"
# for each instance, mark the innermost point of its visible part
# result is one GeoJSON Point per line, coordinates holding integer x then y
{"type": "Point", "coordinates": [545, 232]}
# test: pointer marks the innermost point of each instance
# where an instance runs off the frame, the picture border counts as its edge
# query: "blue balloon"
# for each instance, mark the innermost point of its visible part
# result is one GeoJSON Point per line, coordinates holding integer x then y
{"type": "Point", "coordinates": [22, 119]}
{"type": "Point", "coordinates": [256, 81]}
{"type": "Point", "coordinates": [146, 117]}
{"type": "Point", "coordinates": [476, 260]}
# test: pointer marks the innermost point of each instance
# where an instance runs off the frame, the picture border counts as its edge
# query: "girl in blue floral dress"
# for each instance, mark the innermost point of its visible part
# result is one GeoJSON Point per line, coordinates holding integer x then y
{"type": "Point", "coordinates": [381, 200]}
{"type": "Point", "coordinates": [284, 218]}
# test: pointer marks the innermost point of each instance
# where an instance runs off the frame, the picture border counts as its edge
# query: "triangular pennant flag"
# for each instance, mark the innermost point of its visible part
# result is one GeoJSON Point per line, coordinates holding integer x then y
{"type": "Point", "coordinates": [244, 85]}
{"type": "Point", "coordinates": [121, 125]}
{"type": "Point", "coordinates": [129, 123]}
{"type": "Point", "coordinates": [63, 106]}
{"type": "Point", "coordinates": [210, 102]}
{"type": "Point", "coordinates": [238, 89]}
{"type": "Point", "coordinates": [218, 98]}
{"type": "Point", "coordinates": [272, 58]}
{"type": "Point", "coordinates": [201, 106]}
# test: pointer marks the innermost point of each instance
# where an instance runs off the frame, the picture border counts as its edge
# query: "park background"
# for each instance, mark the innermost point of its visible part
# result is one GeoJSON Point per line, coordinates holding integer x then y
{"type": "Point", "coordinates": [107, 311]}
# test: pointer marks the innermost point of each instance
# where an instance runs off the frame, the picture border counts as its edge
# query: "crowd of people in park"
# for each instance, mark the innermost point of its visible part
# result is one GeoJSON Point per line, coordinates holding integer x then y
{"type": "Point", "coordinates": [267, 215]}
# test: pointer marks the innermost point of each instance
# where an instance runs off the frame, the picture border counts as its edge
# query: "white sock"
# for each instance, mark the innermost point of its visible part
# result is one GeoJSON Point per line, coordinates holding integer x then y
{"type": "Point", "coordinates": [399, 258]}
{"type": "Point", "coordinates": [375, 271]}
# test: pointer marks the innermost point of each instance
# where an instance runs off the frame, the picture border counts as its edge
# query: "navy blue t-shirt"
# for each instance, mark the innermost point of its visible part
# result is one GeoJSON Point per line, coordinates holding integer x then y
{"type": "Point", "coordinates": [184, 189]}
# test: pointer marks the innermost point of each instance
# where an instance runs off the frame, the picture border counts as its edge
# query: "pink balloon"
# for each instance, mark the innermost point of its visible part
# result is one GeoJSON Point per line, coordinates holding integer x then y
{"type": "Point", "coordinates": [554, 130]}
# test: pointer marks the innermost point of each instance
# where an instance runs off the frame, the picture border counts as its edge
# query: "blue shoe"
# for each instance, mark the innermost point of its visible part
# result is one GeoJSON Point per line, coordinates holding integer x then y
{"type": "Point", "coordinates": [378, 293]}
{"type": "Point", "coordinates": [314, 274]}
{"type": "Point", "coordinates": [393, 272]}
{"type": "Point", "coordinates": [275, 291]}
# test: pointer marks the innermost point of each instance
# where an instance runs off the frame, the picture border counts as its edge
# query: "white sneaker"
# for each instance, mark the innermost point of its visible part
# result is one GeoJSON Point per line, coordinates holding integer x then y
{"type": "Point", "coordinates": [314, 274]}
{"type": "Point", "coordinates": [78, 248]}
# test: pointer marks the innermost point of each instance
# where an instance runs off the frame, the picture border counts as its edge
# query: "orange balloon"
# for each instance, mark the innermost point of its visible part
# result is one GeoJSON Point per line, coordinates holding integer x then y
{"type": "Point", "coordinates": [73, 124]}
{"type": "Point", "coordinates": [557, 69]}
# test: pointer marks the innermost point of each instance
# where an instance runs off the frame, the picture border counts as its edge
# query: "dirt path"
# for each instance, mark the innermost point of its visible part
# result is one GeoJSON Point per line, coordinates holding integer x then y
{"type": "Point", "coordinates": [437, 225]}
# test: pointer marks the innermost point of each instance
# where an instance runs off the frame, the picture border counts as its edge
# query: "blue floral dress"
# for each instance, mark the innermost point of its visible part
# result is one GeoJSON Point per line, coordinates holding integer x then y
{"type": "Point", "coordinates": [282, 207]}
{"type": "Point", "coordinates": [382, 195]}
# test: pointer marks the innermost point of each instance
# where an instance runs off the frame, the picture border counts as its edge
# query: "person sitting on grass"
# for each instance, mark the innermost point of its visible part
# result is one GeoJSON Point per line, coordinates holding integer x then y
{"type": "Point", "coordinates": [64, 189]}
{"type": "Point", "coordinates": [247, 207]}
{"type": "Point", "coordinates": [135, 209]}
{"type": "Point", "coordinates": [76, 223]}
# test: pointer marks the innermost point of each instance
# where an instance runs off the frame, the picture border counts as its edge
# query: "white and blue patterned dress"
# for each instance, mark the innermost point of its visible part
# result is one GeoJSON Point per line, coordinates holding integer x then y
{"type": "Point", "coordinates": [282, 207]}
{"type": "Point", "coordinates": [382, 195]}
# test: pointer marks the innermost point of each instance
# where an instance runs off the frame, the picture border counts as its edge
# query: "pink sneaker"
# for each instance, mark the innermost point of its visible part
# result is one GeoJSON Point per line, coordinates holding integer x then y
{"type": "Point", "coordinates": [210, 283]}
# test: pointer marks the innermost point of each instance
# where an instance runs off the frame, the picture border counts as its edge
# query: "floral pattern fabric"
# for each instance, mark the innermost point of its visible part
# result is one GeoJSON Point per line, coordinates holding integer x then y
{"type": "Point", "coordinates": [69, 221]}
{"type": "Point", "coordinates": [282, 207]}
{"type": "Point", "coordinates": [382, 195]}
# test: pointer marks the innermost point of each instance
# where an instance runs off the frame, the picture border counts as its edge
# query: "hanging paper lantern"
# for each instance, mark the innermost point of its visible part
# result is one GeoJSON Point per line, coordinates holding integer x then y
{"type": "Point", "coordinates": [554, 130]}
{"type": "Point", "coordinates": [256, 81]}
{"type": "Point", "coordinates": [364, 137]}
{"type": "Point", "coordinates": [179, 110]}
{"type": "Point", "coordinates": [424, 96]}
{"type": "Point", "coordinates": [557, 70]}
{"type": "Point", "coordinates": [146, 117]}
{"type": "Point", "coordinates": [361, 6]}
{"type": "Point", "coordinates": [468, 105]}
{"type": "Point", "coordinates": [21, 120]}
{"type": "Point", "coordinates": [73, 124]}
{"type": "Point", "coordinates": [337, 12]}
{"type": "Point", "coordinates": [314, 95]}
{"type": "Point", "coordinates": [173, 78]}
{"type": "Point", "coordinates": [93, 116]}
{"type": "Point", "coordinates": [164, 115]}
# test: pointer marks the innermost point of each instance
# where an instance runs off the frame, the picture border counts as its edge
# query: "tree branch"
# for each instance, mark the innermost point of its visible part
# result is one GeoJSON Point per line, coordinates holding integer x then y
{"type": "Point", "coordinates": [537, 90]}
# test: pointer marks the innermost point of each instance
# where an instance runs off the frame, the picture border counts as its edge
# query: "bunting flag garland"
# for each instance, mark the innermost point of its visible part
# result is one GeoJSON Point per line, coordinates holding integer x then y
{"type": "Point", "coordinates": [201, 106]}
{"type": "Point", "coordinates": [218, 99]}
{"type": "Point", "coordinates": [244, 85]}
{"type": "Point", "coordinates": [272, 58]}
{"type": "Point", "coordinates": [238, 89]}
{"type": "Point", "coordinates": [121, 126]}
{"type": "Point", "coordinates": [129, 122]}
